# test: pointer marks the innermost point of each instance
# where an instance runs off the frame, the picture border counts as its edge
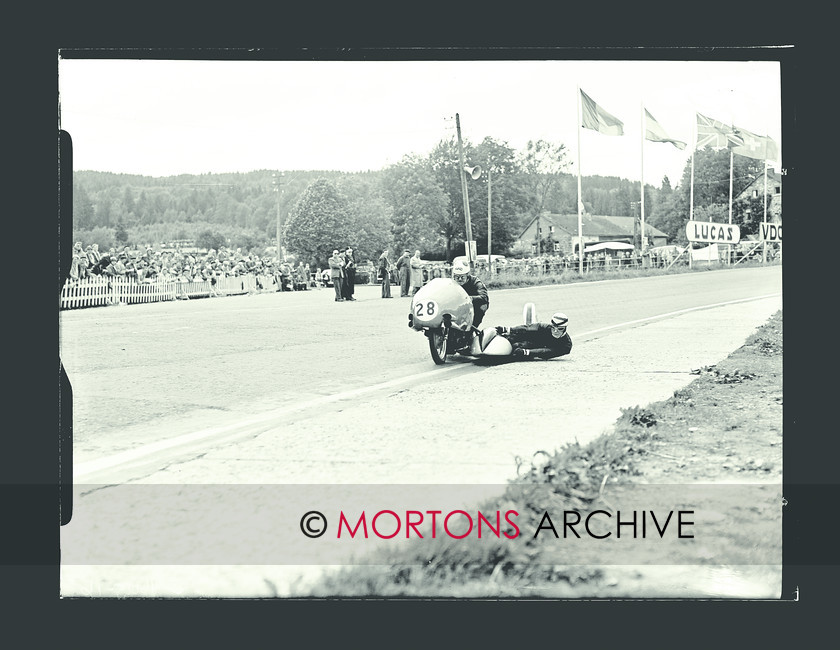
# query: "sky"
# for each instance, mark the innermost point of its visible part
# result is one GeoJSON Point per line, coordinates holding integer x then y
{"type": "Point", "coordinates": [168, 117]}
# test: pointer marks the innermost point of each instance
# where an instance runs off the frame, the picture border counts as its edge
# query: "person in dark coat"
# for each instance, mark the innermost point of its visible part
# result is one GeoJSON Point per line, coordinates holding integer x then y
{"type": "Point", "coordinates": [404, 273]}
{"type": "Point", "coordinates": [349, 274]}
{"type": "Point", "coordinates": [539, 340]}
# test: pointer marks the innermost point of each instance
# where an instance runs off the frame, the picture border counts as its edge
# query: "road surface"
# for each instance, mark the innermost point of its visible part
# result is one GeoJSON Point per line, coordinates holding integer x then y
{"type": "Point", "coordinates": [276, 393]}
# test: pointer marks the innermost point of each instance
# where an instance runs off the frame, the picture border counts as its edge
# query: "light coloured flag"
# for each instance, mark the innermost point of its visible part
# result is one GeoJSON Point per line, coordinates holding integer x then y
{"type": "Point", "coordinates": [655, 133]}
{"type": "Point", "coordinates": [596, 118]}
{"type": "Point", "coordinates": [755, 146]}
{"type": "Point", "coordinates": [715, 133]}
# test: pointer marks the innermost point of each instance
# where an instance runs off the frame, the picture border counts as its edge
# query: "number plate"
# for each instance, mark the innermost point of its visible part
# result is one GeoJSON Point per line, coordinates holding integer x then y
{"type": "Point", "coordinates": [426, 310]}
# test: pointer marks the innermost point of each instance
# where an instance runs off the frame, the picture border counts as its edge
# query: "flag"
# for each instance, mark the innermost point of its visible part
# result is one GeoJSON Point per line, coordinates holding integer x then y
{"type": "Point", "coordinates": [756, 146]}
{"type": "Point", "coordinates": [714, 133]}
{"type": "Point", "coordinates": [655, 133]}
{"type": "Point", "coordinates": [596, 118]}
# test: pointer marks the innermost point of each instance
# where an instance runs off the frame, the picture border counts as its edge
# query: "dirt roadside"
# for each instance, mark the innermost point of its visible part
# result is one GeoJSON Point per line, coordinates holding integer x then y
{"type": "Point", "coordinates": [716, 443]}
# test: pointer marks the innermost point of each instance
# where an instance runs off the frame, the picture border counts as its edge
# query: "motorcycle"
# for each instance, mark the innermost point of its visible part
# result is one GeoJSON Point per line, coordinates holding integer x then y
{"type": "Point", "coordinates": [443, 311]}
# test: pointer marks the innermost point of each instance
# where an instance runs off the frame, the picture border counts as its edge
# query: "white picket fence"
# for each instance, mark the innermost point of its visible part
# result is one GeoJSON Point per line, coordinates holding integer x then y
{"type": "Point", "coordinates": [99, 291]}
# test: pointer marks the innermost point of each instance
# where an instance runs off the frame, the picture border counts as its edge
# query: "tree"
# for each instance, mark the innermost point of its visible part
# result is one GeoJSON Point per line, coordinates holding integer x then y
{"type": "Point", "coordinates": [210, 239]}
{"type": "Point", "coordinates": [671, 210]}
{"type": "Point", "coordinates": [748, 214]}
{"type": "Point", "coordinates": [418, 205]}
{"type": "Point", "coordinates": [369, 215]}
{"type": "Point", "coordinates": [711, 176]}
{"type": "Point", "coordinates": [120, 233]}
{"type": "Point", "coordinates": [83, 211]}
{"type": "Point", "coordinates": [128, 201]}
{"type": "Point", "coordinates": [318, 223]}
{"type": "Point", "coordinates": [541, 163]}
{"type": "Point", "coordinates": [670, 213]}
{"type": "Point", "coordinates": [509, 196]}
{"type": "Point", "coordinates": [716, 212]}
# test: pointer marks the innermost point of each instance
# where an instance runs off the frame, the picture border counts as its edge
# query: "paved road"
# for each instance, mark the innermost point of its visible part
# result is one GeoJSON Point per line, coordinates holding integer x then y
{"type": "Point", "coordinates": [146, 374]}
{"type": "Point", "coordinates": [293, 389]}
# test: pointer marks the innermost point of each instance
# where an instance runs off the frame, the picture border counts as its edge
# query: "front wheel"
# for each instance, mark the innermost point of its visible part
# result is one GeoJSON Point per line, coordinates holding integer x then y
{"type": "Point", "coordinates": [437, 345]}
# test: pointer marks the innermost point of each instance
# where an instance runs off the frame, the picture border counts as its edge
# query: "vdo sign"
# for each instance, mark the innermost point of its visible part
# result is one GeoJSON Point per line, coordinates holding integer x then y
{"type": "Point", "coordinates": [713, 233]}
{"type": "Point", "coordinates": [771, 232]}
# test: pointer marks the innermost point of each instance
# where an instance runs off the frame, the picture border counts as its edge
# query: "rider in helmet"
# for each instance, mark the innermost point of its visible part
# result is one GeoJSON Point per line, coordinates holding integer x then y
{"type": "Point", "coordinates": [474, 287]}
{"type": "Point", "coordinates": [539, 340]}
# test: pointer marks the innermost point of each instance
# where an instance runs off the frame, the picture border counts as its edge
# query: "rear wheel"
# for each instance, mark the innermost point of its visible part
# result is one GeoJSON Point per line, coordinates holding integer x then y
{"type": "Point", "coordinates": [437, 345]}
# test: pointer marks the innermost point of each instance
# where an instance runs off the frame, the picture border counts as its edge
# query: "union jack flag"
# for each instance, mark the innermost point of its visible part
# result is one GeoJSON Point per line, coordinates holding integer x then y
{"type": "Point", "coordinates": [716, 134]}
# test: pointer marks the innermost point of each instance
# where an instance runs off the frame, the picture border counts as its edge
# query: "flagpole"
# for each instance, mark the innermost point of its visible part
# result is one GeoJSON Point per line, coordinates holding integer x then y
{"type": "Point", "coordinates": [764, 250]}
{"type": "Point", "coordinates": [731, 167]}
{"type": "Point", "coordinates": [580, 199]}
{"type": "Point", "coordinates": [691, 191]}
{"type": "Point", "coordinates": [643, 185]}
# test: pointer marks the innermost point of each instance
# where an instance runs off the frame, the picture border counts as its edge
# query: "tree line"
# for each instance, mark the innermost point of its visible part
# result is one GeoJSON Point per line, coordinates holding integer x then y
{"type": "Point", "coordinates": [416, 203]}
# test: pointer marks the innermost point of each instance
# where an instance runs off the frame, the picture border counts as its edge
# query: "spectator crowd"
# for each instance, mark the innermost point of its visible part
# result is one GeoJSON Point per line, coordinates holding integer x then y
{"type": "Point", "coordinates": [149, 265]}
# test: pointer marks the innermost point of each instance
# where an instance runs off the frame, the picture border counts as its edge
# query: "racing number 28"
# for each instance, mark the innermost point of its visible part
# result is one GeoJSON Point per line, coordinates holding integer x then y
{"type": "Point", "coordinates": [425, 310]}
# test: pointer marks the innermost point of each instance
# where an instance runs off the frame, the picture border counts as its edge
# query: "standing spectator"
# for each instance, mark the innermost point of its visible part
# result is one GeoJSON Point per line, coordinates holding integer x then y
{"type": "Point", "coordinates": [94, 255]}
{"type": "Point", "coordinates": [277, 279]}
{"type": "Point", "coordinates": [416, 265]}
{"type": "Point", "coordinates": [285, 277]}
{"type": "Point", "coordinates": [78, 263]}
{"type": "Point", "coordinates": [82, 259]}
{"type": "Point", "coordinates": [211, 275]}
{"type": "Point", "coordinates": [385, 274]}
{"type": "Point", "coordinates": [349, 274]}
{"type": "Point", "coordinates": [303, 276]}
{"type": "Point", "coordinates": [404, 273]}
{"type": "Point", "coordinates": [90, 259]}
{"type": "Point", "coordinates": [337, 274]}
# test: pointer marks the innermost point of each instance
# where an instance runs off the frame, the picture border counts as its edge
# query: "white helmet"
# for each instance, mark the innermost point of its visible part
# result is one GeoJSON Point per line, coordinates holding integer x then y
{"type": "Point", "coordinates": [558, 319]}
{"type": "Point", "coordinates": [558, 323]}
{"type": "Point", "coordinates": [460, 267]}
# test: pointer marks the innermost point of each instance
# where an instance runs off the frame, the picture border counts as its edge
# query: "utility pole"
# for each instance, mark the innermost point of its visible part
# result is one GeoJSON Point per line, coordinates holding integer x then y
{"type": "Point", "coordinates": [489, 204]}
{"type": "Point", "coordinates": [277, 180]}
{"type": "Point", "coordinates": [464, 192]}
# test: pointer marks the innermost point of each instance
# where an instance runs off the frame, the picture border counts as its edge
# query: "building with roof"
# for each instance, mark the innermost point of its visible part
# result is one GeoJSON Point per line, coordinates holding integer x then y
{"type": "Point", "coordinates": [559, 232]}
{"type": "Point", "coordinates": [755, 191]}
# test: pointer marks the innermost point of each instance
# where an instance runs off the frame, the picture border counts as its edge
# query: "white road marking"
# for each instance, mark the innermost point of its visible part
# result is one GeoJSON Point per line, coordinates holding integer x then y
{"type": "Point", "coordinates": [676, 313]}
{"type": "Point", "coordinates": [82, 470]}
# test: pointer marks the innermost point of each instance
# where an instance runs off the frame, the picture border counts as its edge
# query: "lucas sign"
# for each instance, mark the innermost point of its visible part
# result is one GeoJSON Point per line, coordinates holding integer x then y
{"type": "Point", "coordinates": [715, 233]}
